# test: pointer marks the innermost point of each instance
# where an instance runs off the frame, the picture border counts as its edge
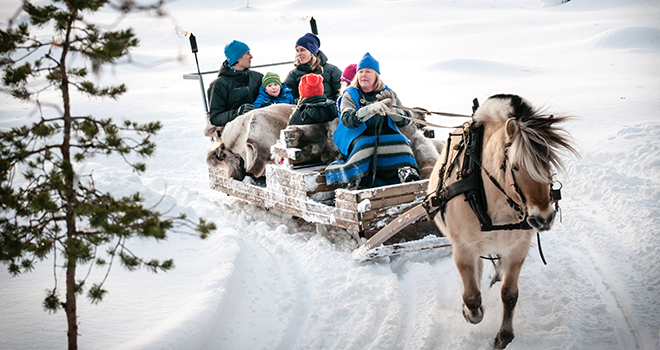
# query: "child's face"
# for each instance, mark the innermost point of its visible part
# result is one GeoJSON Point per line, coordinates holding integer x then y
{"type": "Point", "coordinates": [273, 89]}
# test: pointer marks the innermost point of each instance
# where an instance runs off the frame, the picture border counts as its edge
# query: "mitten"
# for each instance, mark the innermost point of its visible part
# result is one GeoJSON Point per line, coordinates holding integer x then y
{"type": "Point", "coordinates": [369, 111]}
{"type": "Point", "coordinates": [244, 108]}
{"type": "Point", "coordinates": [384, 95]}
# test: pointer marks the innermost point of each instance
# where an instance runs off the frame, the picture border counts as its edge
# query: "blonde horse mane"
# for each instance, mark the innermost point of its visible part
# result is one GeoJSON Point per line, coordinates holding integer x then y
{"type": "Point", "coordinates": [538, 145]}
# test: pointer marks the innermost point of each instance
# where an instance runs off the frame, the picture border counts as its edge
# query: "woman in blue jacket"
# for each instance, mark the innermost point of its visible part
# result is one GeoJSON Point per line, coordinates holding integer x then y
{"type": "Point", "coordinates": [375, 152]}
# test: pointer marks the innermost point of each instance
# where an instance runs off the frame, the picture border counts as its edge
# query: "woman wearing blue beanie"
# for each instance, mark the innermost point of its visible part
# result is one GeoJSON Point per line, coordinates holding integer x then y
{"type": "Point", "coordinates": [310, 59]}
{"type": "Point", "coordinates": [236, 87]}
{"type": "Point", "coordinates": [374, 152]}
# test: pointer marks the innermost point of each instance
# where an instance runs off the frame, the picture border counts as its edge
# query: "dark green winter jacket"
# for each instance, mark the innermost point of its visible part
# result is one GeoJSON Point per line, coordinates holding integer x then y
{"type": "Point", "coordinates": [230, 91]}
{"type": "Point", "coordinates": [331, 77]}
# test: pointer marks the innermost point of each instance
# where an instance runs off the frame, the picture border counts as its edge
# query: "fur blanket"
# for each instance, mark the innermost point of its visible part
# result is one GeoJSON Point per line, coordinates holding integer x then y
{"type": "Point", "coordinates": [244, 146]}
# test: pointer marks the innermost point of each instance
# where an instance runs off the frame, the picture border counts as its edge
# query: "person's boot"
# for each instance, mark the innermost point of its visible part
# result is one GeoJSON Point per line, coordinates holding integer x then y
{"type": "Point", "coordinates": [408, 174]}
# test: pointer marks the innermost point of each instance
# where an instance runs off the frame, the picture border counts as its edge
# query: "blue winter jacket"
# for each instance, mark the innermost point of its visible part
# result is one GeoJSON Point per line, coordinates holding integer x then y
{"type": "Point", "coordinates": [344, 135]}
{"type": "Point", "coordinates": [284, 97]}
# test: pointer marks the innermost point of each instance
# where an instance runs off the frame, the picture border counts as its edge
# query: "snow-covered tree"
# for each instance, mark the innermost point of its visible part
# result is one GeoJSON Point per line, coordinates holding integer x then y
{"type": "Point", "coordinates": [48, 210]}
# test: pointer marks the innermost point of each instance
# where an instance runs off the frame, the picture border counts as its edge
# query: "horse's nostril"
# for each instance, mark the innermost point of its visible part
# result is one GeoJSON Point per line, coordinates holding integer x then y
{"type": "Point", "coordinates": [541, 223]}
{"type": "Point", "coordinates": [532, 221]}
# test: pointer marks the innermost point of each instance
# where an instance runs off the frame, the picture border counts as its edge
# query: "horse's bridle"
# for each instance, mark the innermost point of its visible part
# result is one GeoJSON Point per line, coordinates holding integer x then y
{"type": "Point", "coordinates": [520, 208]}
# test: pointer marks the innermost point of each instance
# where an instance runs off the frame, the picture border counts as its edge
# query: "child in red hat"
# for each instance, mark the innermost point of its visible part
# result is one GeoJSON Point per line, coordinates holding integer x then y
{"type": "Point", "coordinates": [313, 107]}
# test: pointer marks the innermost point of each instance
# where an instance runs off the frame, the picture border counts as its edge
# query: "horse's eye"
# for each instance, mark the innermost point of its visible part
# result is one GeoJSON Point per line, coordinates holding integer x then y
{"type": "Point", "coordinates": [514, 167]}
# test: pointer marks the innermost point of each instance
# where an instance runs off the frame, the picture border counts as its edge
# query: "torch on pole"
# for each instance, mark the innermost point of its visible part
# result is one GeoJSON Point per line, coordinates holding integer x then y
{"type": "Point", "coordinates": [312, 24]}
{"type": "Point", "coordinates": [193, 46]}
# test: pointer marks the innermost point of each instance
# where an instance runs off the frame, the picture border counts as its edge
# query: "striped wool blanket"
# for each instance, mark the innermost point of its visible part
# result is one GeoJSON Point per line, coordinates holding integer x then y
{"type": "Point", "coordinates": [393, 152]}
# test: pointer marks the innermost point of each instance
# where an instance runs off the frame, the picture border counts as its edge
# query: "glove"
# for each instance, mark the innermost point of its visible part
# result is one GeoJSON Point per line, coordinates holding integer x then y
{"type": "Point", "coordinates": [384, 95]}
{"type": "Point", "coordinates": [394, 114]}
{"type": "Point", "coordinates": [388, 98]}
{"type": "Point", "coordinates": [244, 108]}
{"type": "Point", "coordinates": [266, 104]}
{"type": "Point", "coordinates": [366, 112]}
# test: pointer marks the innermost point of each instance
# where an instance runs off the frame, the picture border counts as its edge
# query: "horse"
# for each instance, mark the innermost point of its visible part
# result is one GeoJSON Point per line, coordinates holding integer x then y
{"type": "Point", "coordinates": [494, 188]}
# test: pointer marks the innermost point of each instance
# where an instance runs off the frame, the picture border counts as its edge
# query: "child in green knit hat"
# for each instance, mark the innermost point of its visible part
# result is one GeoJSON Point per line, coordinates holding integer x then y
{"type": "Point", "coordinates": [272, 91]}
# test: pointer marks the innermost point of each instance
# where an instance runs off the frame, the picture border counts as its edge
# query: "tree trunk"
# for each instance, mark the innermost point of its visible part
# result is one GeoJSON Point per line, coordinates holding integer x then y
{"type": "Point", "coordinates": [70, 306]}
{"type": "Point", "coordinates": [69, 195]}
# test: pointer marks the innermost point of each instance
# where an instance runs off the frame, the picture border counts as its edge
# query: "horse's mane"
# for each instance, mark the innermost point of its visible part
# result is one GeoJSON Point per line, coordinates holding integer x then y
{"type": "Point", "coordinates": [537, 146]}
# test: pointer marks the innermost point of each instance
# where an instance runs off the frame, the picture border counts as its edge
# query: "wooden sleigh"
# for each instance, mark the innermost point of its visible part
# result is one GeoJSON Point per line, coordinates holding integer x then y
{"type": "Point", "coordinates": [380, 214]}
{"type": "Point", "coordinates": [391, 214]}
{"type": "Point", "coordinates": [301, 191]}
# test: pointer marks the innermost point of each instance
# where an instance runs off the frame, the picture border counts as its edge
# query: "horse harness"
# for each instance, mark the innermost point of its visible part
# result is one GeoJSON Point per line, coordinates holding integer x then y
{"type": "Point", "coordinates": [470, 182]}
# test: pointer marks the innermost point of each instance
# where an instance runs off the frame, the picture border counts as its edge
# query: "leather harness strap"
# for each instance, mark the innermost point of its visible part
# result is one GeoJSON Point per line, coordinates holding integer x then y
{"type": "Point", "coordinates": [471, 184]}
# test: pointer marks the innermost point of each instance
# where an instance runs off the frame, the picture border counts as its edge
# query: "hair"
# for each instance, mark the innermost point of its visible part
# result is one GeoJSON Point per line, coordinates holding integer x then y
{"type": "Point", "coordinates": [378, 86]}
{"type": "Point", "coordinates": [314, 63]}
{"type": "Point", "coordinates": [536, 147]}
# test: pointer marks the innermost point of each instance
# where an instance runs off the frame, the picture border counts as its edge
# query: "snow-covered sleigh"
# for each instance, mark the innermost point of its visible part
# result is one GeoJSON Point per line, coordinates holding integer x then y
{"type": "Point", "coordinates": [301, 191]}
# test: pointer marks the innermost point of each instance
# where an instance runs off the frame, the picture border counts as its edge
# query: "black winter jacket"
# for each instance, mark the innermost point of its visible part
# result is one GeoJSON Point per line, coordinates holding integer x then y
{"type": "Point", "coordinates": [331, 77]}
{"type": "Point", "coordinates": [229, 91]}
{"type": "Point", "coordinates": [313, 110]}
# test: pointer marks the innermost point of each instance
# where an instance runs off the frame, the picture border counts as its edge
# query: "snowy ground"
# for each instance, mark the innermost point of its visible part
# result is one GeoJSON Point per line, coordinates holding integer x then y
{"type": "Point", "coordinates": [265, 281]}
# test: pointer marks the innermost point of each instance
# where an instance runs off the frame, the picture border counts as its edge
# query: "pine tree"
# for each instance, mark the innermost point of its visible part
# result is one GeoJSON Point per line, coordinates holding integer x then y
{"type": "Point", "coordinates": [48, 210]}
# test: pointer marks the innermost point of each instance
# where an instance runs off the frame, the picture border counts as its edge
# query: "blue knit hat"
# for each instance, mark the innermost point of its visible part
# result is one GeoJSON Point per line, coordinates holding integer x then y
{"type": "Point", "coordinates": [311, 42]}
{"type": "Point", "coordinates": [234, 51]}
{"type": "Point", "coordinates": [369, 62]}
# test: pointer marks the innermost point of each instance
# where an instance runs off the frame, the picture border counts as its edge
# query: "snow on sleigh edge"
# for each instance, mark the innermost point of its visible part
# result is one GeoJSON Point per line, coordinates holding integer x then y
{"type": "Point", "coordinates": [304, 193]}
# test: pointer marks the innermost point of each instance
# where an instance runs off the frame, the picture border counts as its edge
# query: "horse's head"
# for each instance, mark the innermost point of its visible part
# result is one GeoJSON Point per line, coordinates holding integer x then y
{"type": "Point", "coordinates": [529, 143]}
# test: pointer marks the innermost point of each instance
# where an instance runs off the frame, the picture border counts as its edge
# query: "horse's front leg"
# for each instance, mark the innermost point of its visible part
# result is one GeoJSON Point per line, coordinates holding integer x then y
{"type": "Point", "coordinates": [470, 268]}
{"type": "Point", "coordinates": [509, 293]}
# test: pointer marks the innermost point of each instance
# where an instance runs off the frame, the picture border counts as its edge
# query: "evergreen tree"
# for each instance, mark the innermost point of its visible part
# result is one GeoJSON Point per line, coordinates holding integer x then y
{"type": "Point", "coordinates": [48, 210]}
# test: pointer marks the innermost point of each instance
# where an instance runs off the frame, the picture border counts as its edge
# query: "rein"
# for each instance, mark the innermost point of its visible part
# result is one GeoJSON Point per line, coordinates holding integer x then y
{"type": "Point", "coordinates": [427, 112]}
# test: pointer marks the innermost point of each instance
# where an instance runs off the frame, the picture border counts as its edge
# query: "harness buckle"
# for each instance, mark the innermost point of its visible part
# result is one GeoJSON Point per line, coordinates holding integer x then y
{"type": "Point", "coordinates": [555, 195]}
{"type": "Point", "coordinates": [522, 213]}
{"type": "Point", "coordinates": [435, 201]}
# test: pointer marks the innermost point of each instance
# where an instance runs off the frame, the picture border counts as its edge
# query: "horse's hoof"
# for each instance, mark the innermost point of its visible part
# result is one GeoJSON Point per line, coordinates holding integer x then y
{"type": "Point", "coordinates": [503, 339]}
{"type": "Point", "coordinates": [473, 316]}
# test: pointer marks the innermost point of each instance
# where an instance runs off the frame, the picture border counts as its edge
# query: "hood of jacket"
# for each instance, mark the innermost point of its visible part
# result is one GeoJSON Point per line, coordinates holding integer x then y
{"type": "Point", "coordinates": [227, 71]}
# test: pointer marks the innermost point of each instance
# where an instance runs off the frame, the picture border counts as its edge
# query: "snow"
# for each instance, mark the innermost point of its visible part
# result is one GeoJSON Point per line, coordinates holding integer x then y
{"type": "Point", "coordinates": [267, 281]}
